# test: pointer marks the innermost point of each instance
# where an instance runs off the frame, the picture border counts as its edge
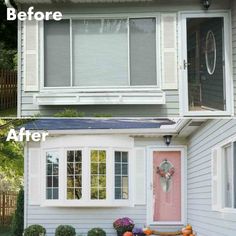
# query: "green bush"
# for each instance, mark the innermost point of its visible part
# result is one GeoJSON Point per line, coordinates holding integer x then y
{"type": "Point", "coordinates": [65, 230]}
{"type": "Point", "coordinates": [35, 230]}
{"type": "Point", "coordinates": [17, 226]}
{"type": "Point", "coordinates": [96, 232]}
{"type": "Point", "coordinates": [69, 113]}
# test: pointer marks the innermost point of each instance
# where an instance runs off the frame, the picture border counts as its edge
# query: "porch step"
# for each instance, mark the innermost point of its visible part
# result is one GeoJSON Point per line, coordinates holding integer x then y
{"type": "Point", "coordinates": [167, 230]}
{"type": "Point", "coordinates": [175, 233]}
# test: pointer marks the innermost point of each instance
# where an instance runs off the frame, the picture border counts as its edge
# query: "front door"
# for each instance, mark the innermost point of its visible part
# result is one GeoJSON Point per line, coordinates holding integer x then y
{"type": "Point", "coordinates": [204, 63]}
{"type": "Point", "coordinates": [167, 187]}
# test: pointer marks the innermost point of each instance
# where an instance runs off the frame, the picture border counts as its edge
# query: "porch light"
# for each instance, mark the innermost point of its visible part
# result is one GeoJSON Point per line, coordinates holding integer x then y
{"type": "Point", "coordinates": [167, 139]}
{"type": "Point", "coordinates": [206, 4]}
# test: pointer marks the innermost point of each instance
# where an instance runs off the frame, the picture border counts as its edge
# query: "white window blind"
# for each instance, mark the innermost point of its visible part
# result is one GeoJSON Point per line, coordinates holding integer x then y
{"type": "Point", "coordinates": [143, 51]}
{"type": "Point", "coordinates": [57, 53]}
{"type": "Point", "coordinates": [100, 55]}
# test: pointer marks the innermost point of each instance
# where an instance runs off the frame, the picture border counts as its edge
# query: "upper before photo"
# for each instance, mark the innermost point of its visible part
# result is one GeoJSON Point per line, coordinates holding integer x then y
{"type": "Point", "coordinates": [123, 58]}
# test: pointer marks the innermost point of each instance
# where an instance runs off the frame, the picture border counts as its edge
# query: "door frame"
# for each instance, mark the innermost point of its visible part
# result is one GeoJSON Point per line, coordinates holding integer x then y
{"type": "Point", "coordinates": [183, 75]}
{"type": "Point", "coordinates": [183, 150]}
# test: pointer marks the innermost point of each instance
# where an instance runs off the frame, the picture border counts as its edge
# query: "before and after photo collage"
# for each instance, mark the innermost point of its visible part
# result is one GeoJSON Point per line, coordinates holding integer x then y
{"type": "Point", "coordinates": [117, 117]}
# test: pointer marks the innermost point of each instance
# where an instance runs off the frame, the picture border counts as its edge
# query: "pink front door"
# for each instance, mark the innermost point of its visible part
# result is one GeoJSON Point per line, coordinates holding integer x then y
{"type": "Point", "coordinates": [167, 190]}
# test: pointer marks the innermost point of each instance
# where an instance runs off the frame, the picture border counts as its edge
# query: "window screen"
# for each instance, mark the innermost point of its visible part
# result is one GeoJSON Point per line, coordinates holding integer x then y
{"type": "Point", "coordinates": [143, 51]}
{"type": "Point", "coordinates": [57, 53]}
{"type": "Point", "coordinates": [100, 52]}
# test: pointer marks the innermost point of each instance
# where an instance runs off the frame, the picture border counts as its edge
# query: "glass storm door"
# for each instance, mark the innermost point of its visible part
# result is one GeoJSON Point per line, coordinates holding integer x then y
{"type": "Point", "coordinates": [205, 64]}
{"type": "Point", "coordinates": [167, 187]}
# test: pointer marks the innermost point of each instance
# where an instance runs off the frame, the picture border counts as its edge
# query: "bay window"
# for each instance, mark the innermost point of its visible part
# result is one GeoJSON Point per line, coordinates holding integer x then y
{"type": "Point", "coordinates": [100, 52]}
{"type": "Point", "coordinates": [88, 177]}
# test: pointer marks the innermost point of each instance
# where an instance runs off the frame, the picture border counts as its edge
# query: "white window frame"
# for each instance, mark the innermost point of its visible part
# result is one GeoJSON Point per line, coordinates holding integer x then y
{"type": "Point", "coordinates": [182, 51]}
{"type": "Point", "coordinates": [149, 214]}
{"type": "Point", "coordinates": [71, 17]}
{"type": "Point", "coordinates": [221, 197]}
{"type": "Point", "coordinates": [85, 201]}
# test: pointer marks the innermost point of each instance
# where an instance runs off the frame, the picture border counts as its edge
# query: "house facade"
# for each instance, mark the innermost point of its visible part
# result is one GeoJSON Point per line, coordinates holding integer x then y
{"type": "Point", "coordinates": [89, 172]}
{"type": "Point", "coordinates": [128, 58]}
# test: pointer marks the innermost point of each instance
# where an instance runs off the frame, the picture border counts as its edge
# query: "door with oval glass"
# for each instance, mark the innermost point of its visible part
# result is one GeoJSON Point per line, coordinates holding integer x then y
{"type": "Point", "coordinates": [205, 65]}
{"type": "Point", "coordinates": [167, 196]}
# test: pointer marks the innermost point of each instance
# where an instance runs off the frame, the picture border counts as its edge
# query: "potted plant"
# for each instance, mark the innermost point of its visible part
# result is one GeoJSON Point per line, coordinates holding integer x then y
{"type": "Point", "coordinates": [123, 225]}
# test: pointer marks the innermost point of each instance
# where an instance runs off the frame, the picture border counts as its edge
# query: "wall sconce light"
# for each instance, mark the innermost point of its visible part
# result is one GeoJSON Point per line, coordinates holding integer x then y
{"type": "Point", "coordinates": [167, 139]}
{"type": "Point", "coordinates": [206, 4]}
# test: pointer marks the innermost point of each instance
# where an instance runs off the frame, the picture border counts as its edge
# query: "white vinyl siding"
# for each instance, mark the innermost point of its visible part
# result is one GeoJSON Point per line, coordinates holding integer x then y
{"type": "Point", "coordinates": [199, 178]}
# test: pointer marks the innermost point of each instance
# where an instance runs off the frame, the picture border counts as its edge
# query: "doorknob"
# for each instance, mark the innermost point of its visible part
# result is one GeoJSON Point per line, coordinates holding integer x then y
{"type": "Point", "coordinates": [186, 64]}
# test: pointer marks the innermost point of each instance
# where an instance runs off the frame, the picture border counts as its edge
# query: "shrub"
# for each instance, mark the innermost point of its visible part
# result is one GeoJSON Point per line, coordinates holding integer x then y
{"type": "Point", "coordinates": [96, 232]}
{"type": "Point", "coordinates": [35, 230]}
{"type": "Point", "coordinates": [65, 230]}
{"type": "Point", "coordinates": [17, 226]}
{"type": "Point", "coordinates": [69, 113]}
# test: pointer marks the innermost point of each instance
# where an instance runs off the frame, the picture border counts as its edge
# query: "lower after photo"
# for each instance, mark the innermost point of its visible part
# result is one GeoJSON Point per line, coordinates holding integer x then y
{"type": "Point", "coordinates": [98, 177]}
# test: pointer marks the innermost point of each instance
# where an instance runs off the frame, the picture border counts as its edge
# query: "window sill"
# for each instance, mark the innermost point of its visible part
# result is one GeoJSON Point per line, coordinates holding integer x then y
{"type": "Point", "coordinates": [103, 97]}
{"type": "Point", "coordinates": [207, 113]}
{"type": "Point", "coordinates": [95, 203]}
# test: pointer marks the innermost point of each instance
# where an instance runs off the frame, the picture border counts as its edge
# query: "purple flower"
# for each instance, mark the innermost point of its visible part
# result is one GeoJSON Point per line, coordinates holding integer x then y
{"type": "Point", "coordinates": [125, 223]}
{"type": "Point", "coordinates": [137, 231]}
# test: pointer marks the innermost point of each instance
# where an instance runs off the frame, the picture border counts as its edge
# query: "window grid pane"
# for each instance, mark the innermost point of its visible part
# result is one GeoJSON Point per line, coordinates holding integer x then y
{"type": "Point", "coordinates": [98, 174]}
{"type": "Point", "coordinates": [52, 176]}
{"type": "Point", "coordinates": [121, 175]}
{"type": "Point", "coordinates": [74, 174]}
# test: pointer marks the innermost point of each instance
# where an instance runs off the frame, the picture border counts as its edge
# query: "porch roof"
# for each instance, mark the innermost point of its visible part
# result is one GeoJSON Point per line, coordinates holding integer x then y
{"type": "Point", "coordinates": [98, 124]}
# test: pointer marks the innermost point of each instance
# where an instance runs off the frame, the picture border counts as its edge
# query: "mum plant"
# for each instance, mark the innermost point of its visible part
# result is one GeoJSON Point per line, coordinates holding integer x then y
{"type": "Point", "coordinates": [123, 225]}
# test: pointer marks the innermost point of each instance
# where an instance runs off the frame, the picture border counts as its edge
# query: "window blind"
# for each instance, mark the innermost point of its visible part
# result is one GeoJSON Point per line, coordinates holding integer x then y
{"type": "Point", "coordinates": [100, 55]}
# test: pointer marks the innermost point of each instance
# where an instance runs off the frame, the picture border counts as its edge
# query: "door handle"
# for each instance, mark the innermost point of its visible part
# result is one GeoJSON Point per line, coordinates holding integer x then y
{"type": "Point", "coordinates": [186, 64]}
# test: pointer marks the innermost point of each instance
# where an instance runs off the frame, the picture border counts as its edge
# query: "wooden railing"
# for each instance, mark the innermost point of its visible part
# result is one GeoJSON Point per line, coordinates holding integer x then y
{"type": "Point", "coordinates": [7, 207]}
{"type": "Point", "coordinates": [8, 89]}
